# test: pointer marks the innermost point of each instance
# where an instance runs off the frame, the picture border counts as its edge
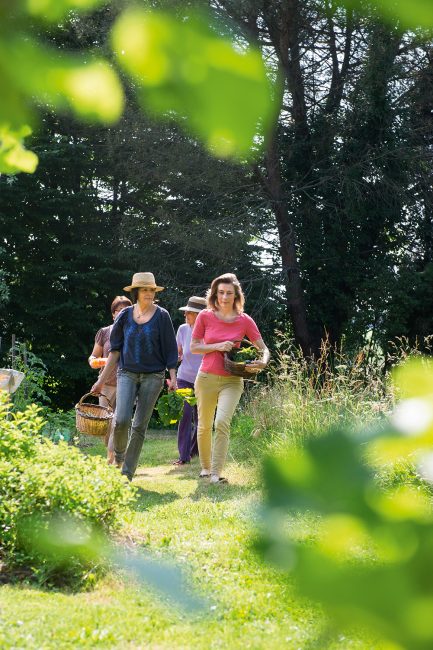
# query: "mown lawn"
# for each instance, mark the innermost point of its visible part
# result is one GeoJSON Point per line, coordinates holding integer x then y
{"type": "Point", "coordinates": [208, 530]}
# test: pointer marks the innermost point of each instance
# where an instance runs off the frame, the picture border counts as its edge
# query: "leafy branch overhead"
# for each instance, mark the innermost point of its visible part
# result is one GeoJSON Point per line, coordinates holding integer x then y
{"type": "Point", "coordinates": [183, 69]}
{"type": "Point", "coordinates": [187, 67]}
{"type": "Point", "coordinates": [34, 74]}
{"type": "Point", "coordinates": [411, 14]}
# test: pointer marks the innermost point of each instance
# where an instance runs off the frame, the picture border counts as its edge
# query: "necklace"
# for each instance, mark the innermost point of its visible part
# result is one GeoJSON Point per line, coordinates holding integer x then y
{"type": "Point", "coordinates": [143, 314]}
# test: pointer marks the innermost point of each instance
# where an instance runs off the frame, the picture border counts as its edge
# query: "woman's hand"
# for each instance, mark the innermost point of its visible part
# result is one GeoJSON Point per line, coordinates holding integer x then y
{"type": "Point", "coordinates": [224, 346]}
{"type": "Point", "coordinates": [171, 384]}
{"type": "Point", "coordinates": [255, 366]}
{"type": "Point", "coordinates": [259, 364]}
{"type": "Point", "coordinates": [97, 387]}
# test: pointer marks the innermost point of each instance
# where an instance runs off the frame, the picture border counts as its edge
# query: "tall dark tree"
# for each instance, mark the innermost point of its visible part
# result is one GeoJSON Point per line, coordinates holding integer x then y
{"type": "Point", "coordinates": [338, 170]}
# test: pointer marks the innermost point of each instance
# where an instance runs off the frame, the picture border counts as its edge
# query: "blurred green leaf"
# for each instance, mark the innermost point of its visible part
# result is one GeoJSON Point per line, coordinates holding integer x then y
{"type": "Point", "coordinates": [52, 10]}
{"type": "Point", "coordinates": [183, 67]}
{"type": "Point", "coordinates": [63, 539]}
{"type": "Point", "coordinates": [328, 475]}
{"type": "Point", "coordinates": [411, 13]}
{"type": "Point", "coordinates": [166, 577]}
{"type": "Point", "coordinates": [369, 556]}
{"type": "Point", "coordinates": [35, 72]}
{"type": "Point", "coordinates": [32, 73]}
{"type": "Point", "coordinates": [13, 155]}
{"type": "Point", "coordinates": [414, 379]}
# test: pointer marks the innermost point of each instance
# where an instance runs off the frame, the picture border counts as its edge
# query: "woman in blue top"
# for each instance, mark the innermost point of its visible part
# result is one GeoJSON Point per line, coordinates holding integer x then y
{"type": "Point", "coordinates": [143, 343]}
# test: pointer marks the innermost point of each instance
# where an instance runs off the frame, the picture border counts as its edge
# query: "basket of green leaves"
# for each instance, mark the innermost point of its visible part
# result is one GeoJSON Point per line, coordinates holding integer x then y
{"type": "Point", "coordinates": [236, 361]}
{"type": "Point", "coordinates": [170, 405]}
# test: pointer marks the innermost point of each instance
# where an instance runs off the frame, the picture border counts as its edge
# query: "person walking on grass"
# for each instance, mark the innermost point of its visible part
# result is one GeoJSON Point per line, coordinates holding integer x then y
{"type": "Point", "coordinates": [217, 330]}
{"type": "Point", "coordinates": [143, 343]}
{"type": "Point", "coordinates": [186, 375]}
{"type": "Point", "coordinates": [98, 359]}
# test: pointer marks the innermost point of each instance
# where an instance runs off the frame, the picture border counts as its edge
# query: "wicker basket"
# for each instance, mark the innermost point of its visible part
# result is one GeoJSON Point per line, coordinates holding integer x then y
{"type": "Point", "coordinates": [237, 367]}
{"type": "Point", "coordinates": [93, 419]}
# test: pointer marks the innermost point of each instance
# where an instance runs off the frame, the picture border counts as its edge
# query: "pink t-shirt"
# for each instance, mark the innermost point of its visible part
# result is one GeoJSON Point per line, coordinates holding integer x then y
{"type": "Point", "coordinates": [210, 329]}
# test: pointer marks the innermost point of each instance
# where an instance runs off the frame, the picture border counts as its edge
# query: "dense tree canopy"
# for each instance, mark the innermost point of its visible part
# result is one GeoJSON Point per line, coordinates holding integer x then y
{"type": "Point", "coordinates": [104, 204]}
{"type": "Point", "coordinates": [347, 173]}
{"type": "Point", "coordinates": [330, 229]}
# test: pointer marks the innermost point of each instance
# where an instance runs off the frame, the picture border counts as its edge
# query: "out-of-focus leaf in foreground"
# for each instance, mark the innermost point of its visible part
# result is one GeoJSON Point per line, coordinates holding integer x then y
{"type": "Point", "coordinates": [184, 68]}
{"type": "Point", "coordinates": [34, 74]}
{"type": "Point", "coordinates": [52, 10]}
{"type": "Point", "coordinates": [369, 557]}
{"type": "Point", "coordinates": [62, 540]}
{"type": "Point", "coordinates": [410, 13]}
{"type": "Point", "coordinates": [14, 157]}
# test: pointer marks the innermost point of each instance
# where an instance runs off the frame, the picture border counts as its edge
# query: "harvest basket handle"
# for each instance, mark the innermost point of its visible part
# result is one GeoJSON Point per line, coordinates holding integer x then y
{"type": "Point", "coordinates": [95, 395]}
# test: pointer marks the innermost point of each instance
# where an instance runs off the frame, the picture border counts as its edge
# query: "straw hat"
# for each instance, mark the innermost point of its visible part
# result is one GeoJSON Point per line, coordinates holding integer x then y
{"type": "Point", "coordinates": [195, 303]}
{"type": "Point", "coordinates": [140, 280]}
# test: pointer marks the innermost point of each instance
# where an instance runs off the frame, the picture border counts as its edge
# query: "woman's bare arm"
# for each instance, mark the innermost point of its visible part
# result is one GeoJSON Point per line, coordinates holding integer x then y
{"type": "Point", "coordinates": [260, 363]}
{"type": "Point", "coordinates": [198, 347]}
{"type": "Point", "coordinates": [112, 360]}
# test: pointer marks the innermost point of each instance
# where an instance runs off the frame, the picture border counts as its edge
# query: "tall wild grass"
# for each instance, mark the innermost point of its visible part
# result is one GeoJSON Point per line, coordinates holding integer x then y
{"type": "Point", "coordinates": [300, 398]}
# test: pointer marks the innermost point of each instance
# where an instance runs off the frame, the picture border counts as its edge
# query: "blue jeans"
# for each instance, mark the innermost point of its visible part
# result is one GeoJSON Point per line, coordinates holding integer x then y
{"type": "Point", "coordinates": [131, 386]}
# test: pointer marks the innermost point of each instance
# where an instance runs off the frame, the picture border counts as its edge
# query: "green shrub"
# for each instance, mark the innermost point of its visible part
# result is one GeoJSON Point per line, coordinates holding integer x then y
{"type": "Point", "coordinates": [18, 431]}
{"type": "Point", "coordinates": [41, 479]}
{"type": "Point", "coordinates": [59, 425]}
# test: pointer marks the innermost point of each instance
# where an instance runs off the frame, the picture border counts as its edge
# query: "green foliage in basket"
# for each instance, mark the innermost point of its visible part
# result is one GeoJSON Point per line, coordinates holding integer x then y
{"type": "Point", "coordinates": [170, 405]}
{"type": "Point", "coordinates": [242, 355]}
{"type": "Point", "coordinates": [43, 479]}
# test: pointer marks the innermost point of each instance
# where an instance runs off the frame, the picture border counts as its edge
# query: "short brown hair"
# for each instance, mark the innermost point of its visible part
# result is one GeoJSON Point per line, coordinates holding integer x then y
{"type": "Point", "coordinates": [120, 301]}
{"type": "Point", "coordinates": [226, 278]}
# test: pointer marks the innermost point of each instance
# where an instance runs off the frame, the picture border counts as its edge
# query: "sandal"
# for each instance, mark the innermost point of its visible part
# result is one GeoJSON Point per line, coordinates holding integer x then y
{"type": "Point", "coordinates": [219, 481]}
{"type": "Point", "coordinates": [181, 462]}
{"type": "Point", "coordinates": [201, 475]}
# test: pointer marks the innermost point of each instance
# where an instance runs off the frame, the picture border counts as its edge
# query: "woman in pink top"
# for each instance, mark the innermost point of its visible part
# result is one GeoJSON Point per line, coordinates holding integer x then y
{"type": "Point", "coordinates": [217, 330]}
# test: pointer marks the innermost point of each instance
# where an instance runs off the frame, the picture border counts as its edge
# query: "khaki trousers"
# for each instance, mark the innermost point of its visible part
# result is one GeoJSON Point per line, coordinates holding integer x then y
{"type": "Point", "coordinates": [217, 397]}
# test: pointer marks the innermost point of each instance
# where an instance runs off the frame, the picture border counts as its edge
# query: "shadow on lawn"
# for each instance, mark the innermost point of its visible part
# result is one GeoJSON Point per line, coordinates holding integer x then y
{"type": "Point", "coordinates": [147, 499]}
{"type": "Point", "coordinates": [219, 492]}
{"type": "Point", "coordinates": [204, 489]}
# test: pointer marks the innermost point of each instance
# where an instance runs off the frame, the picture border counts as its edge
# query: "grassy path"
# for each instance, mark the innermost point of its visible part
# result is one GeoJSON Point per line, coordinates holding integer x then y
{"type": "Point", "coordinates": [205, 528]}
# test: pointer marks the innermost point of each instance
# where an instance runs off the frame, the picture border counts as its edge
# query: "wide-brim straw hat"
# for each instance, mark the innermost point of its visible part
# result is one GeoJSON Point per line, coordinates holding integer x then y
{"type": "Point", "coordinates": [195, 303]}
{"type": "Point", "coordinates": [143, 280]}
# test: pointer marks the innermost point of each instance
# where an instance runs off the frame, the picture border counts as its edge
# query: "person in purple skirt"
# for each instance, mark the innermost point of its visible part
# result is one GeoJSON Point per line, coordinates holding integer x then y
{"type": "Point", "coordinates": [186, 374]}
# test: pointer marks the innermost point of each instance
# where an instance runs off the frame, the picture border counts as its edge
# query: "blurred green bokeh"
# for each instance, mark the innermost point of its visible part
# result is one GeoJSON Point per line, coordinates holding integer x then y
{"type": "Point", "coordinates": [182, 68]}
{"type": "Point", "coordinates": [35, 75]}
{"type": "Point", "coordinates": [411, 14]}
{"type": "Point", "coordinates": [185, 67]}
{"type": "Point", "coordinates": [52, 10]}
{"type": "Point", "coordinates": [371, 558]}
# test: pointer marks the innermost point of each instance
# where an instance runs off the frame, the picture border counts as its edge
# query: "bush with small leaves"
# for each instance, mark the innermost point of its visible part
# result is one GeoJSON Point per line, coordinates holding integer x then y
{"type": "Point", "coordinates": [39, 478]}
{"type": "Point", "coordinates": [18, 431]}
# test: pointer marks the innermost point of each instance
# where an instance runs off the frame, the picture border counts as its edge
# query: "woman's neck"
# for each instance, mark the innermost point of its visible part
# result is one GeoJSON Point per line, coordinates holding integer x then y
{"type": "Point", "coordinates": [226, 313]}
{"type": "Point", "coordinates": [143, 308]}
